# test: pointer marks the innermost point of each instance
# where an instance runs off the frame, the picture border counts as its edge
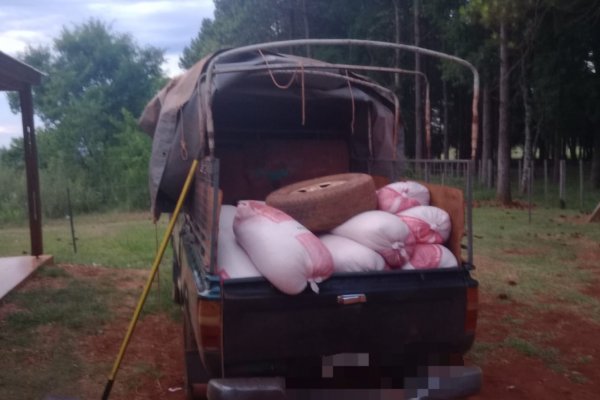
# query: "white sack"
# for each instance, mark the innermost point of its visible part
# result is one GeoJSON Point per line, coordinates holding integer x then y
{"type": "Point", "coordinates": [232, 260]}
{"type": "Point", "coordinates": [400, 196]}
{"type": "Point", "coordinates": [429, 256]}
{"type": "Point", "coordinates": [284, 251]}
{"type": "Point", "coordinates": [382, 232]}
{"type": "Point", "coordinates": [428, 224]}
{"type": "Point", "coordinates": [350, 256]}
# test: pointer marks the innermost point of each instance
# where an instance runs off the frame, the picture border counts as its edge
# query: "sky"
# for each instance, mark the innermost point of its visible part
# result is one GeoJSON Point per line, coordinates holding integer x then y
{"type": "Point", "coordinates": [168, 25]}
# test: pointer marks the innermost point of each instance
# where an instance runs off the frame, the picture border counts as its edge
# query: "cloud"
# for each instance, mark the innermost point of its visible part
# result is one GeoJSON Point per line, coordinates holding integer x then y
{"type": "Point", "coordinates": [9, 130]}
{"type": "Point", "coordinates": [168, 25]}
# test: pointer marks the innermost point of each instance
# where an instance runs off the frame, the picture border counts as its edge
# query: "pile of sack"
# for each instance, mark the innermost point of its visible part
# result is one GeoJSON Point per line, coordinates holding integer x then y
{"type": "Point", "coordinates": [405, 232]}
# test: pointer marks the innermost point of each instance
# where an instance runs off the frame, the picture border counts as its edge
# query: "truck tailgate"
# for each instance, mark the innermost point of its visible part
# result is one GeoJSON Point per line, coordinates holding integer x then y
{"type": "Point", "coordinates": [404, 314]}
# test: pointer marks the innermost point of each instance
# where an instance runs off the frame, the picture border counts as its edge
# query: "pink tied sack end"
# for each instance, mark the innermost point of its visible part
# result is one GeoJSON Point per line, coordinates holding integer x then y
{"type": "Point", "coordinates": [400, 196]}
{"type": "Point", "coordinates": [399, 253]}
{"type": "Point", "coordinates": [431, 256]}
{"type": "Point", "coordinates": [251, 208]}
{"type": "Point", "coordinates": [321, 259]}
{"type": "Point", "coordinates": [429, 225]}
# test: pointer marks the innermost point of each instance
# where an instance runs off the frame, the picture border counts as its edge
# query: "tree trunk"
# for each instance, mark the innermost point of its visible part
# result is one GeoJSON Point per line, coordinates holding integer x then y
{"type": "Point", "coordinates": [486, 140]}
{"type": "Point", "coordinates": [596, 161]}
{"type": "Point", "coordinates": [527, 148]}
{"type": "Point", "coordinates": [418, 100]}
{"type": "Point", "coordinates": [503, 186]}
{"type": "Point", "coordinates": [446, 142]}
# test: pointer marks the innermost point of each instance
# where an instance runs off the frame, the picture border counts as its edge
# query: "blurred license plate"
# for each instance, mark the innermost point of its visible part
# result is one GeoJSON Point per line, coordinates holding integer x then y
{"type": "Point", "coordinates": [343, 360]}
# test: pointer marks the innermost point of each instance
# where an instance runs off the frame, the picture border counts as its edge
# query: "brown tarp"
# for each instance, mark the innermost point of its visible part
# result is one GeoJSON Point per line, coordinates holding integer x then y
{"type": "Point", "coordinates": [176, 118]}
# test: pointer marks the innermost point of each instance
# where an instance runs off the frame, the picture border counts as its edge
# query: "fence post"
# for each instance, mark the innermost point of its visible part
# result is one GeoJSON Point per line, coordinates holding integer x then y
{"type": "Point", "coordinates": [581, 184]}
{"type": "Point", "coordinates": [70, 211]}
{"type": "Point", "coordinates": [444, 165]}
{"type": "Point", "coordinates": [562, 181]}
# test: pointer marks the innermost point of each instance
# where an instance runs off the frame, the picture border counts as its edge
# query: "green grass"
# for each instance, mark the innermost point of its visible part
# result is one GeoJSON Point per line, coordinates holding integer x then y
{"type": "Point", "coordinates": [533, 264]}
{"type": "Point", "coordinates": [76, 307]}
{"type": "Point", "coordinates": [549, 355]}
{"type": "Point", "coordinates": [39, 336]}
{"type": "Point", "coordinates": [37, 340]}
{"type": "Point", "coordinates": [540, 258]}
{"type": "Point", "coordinates": [124, 240]}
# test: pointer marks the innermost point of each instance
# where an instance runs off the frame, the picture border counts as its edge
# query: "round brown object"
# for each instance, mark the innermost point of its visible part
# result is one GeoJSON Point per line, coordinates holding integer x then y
{"type": "Point", "coordinates": [321, 204]}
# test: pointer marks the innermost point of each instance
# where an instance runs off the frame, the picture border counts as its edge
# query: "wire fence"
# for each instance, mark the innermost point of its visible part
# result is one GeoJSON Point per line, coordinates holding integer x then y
{"type": "Point", "coordinates": [565, 185]}
{"type": "Point", "coordinates": [553, 185]}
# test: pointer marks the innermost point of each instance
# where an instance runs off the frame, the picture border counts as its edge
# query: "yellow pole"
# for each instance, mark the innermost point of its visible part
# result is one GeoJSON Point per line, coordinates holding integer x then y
{"type": "Point", "coordinates": [142, 300]}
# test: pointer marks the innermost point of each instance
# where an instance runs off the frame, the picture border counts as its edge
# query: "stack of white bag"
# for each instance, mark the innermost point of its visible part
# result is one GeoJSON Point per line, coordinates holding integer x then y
{"type": "Point", "coordinates": [350, 256]}
{"type": "Point", "coordinates": [430, 226]}
{"type": "Point", "coordinates": [382, 232]}
{"type": "Point", "coordinates": [232, 260]}
{"type": "Point", "coordinates": [283, 251]}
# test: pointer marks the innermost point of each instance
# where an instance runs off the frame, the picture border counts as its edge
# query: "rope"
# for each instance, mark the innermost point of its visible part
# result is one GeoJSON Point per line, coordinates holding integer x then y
{"type": "Point", "coordinates": [353, 104]}
{"type": "Point", "coordinates": [302, 90]}
{"type": "Point", "coordinates": [289, 84]}
{"type": "Point", "coordinates": [277, 84]}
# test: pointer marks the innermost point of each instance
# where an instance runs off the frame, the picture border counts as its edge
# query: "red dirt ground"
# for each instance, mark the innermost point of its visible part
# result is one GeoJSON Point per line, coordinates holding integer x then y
{"type": "Point", "coordinates": [508, 374]}
{"type": "Point", "coordinates": [153, 364]}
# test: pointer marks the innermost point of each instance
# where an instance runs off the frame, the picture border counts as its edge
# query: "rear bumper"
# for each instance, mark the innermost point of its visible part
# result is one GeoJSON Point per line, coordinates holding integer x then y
{"type": "Point", "coordinates": [440, 383]}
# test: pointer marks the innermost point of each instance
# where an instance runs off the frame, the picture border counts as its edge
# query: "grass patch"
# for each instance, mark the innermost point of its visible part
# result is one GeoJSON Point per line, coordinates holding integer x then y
{"type": "Point", "coordinates": [533, 262]}
{"type": "Point", "coordinates": [76, 307]}
{"type": "Point", "coordinates": [123, 240]}
{"type": "Point", "coordinates": [40, 367]}
{"type": "Point", "coordinates": [39, 337]}
{"type": "Point", "coordinates": [480, 350]}
{"type": "Point", "coordinates": [160, 298]}
{"type": "Point", "coordinates": [549, 355]}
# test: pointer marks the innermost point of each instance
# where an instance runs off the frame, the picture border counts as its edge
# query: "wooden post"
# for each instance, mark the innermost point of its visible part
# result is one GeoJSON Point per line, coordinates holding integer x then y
{"type": "Point", "coordinates": [31, 168]}
{"type": "Point", "coordinates": [70, 211]}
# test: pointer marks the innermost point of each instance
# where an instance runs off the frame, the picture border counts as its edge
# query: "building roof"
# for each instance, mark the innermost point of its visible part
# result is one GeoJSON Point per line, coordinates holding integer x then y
{"type": "Point", "coordinates": [16, 75]}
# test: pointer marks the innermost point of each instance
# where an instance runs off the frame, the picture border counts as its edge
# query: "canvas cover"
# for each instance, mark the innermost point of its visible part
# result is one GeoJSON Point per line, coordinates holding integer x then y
{"type": "Point", "coordinates": [176, 117]}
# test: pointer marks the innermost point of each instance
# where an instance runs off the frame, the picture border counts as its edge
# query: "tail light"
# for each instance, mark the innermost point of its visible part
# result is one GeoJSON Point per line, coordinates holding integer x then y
{"type": "Point", "coordinates": [210, 325]}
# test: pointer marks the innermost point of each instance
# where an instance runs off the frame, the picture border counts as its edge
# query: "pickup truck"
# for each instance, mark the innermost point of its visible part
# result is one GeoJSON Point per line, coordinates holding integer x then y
{"type": "Point", "coordinates": [258, 120]}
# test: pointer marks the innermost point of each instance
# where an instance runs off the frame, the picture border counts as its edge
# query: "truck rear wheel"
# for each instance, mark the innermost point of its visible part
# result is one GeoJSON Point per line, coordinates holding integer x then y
{"type": "Point", "coordinates": [321, 204]}
{"type": "Point", "coordinates": [176, 292]}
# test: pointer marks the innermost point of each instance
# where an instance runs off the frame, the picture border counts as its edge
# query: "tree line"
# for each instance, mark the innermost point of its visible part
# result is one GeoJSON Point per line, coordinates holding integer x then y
{"type": "Point", "coordinates": [97, 82]}
{"type": "Point", "coordinates": [538, 60]}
